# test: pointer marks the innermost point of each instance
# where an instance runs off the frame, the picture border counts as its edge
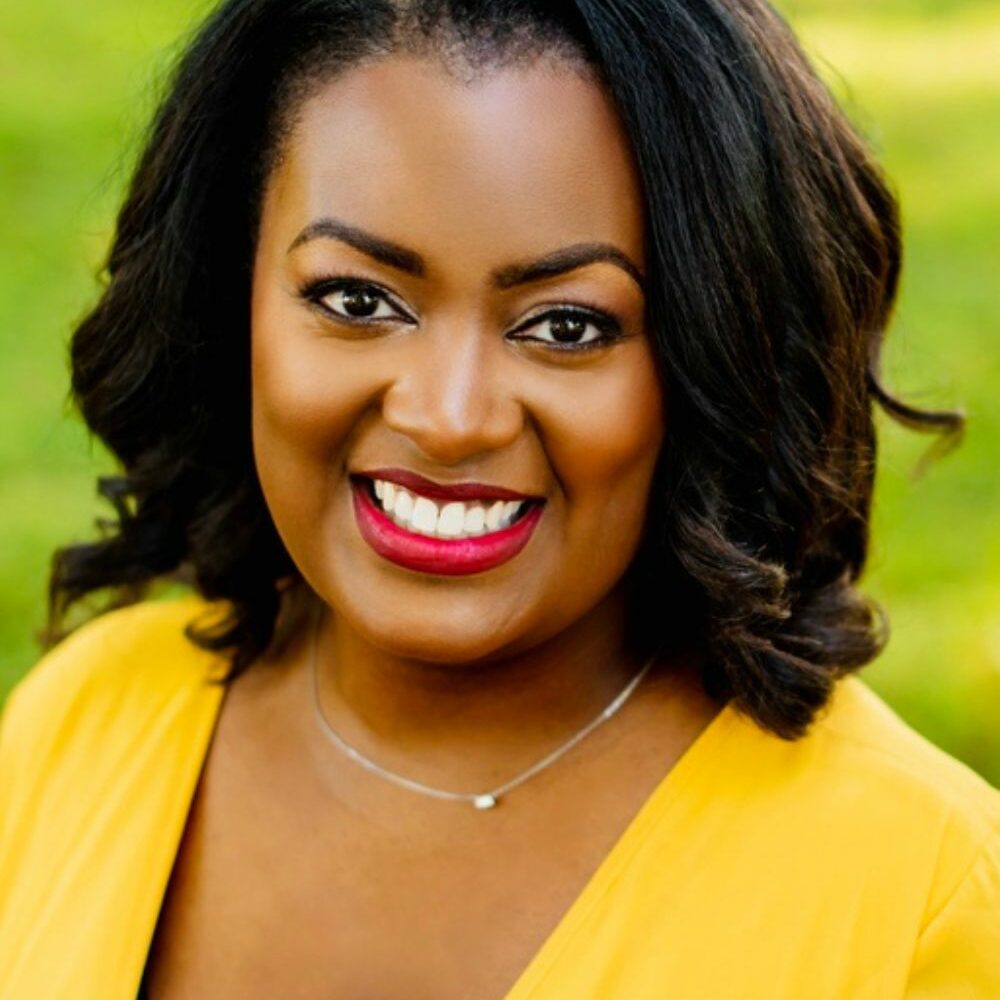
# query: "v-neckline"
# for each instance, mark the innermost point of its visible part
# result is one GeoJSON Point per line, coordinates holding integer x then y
{"type": "Point", "coordinates": [652, 811]}
{"type": "Point", "coordinates": [648, 815]}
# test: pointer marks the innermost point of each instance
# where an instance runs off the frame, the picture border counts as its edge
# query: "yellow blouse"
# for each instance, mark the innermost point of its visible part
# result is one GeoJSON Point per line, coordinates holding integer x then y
{"type": "Point", "coordinates": [858, 862]}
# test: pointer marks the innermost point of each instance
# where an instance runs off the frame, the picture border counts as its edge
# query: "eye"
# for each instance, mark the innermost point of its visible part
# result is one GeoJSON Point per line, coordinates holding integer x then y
{"type": "Point", "coordinates": [570, 329]}
{"type": "Point", "coordinates": [352, 300]}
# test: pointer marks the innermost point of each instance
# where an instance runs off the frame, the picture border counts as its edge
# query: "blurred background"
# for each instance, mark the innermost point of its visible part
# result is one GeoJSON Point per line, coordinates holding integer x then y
{"type": "Point", "coordinates": [920, 77]}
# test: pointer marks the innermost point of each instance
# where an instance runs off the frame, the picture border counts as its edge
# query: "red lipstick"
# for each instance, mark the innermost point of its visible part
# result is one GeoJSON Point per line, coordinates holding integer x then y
{"type": "Point", "coordinates": [444, 556]}
{"type": "Point", "coordinates": [441, 491]}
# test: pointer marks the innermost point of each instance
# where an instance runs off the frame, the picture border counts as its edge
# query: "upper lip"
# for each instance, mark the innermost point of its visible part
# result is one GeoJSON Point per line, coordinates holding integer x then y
{"type": "Point", "coordinates": [444, 491]}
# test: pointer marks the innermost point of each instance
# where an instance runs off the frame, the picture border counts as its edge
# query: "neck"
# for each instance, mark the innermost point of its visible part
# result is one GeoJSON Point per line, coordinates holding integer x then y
{"type": "Point", "coordinates": [506, 708]}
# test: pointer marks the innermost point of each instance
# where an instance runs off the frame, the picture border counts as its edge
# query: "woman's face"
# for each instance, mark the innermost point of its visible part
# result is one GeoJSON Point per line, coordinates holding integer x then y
{"type": "Point", "coordinates": [448, 285]}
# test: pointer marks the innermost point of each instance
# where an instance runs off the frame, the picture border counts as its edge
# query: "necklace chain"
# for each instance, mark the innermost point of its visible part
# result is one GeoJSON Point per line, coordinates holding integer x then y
{"type": "Point", "coordinates": [481, 800]}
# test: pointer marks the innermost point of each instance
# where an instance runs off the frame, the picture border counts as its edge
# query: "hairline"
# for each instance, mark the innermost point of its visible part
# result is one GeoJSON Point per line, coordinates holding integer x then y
{"type": "Point", "coordinates": [462, 61]}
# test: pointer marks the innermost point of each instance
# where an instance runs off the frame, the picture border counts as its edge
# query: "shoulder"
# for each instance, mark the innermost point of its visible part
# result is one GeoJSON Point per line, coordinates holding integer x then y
{"type": "Point", "coordinates": [926, 811]}
{"type": "Point", "coordinates": [862, 825]}
{"type": "Point", "coordinates": [863, 737]}
{"type": "Point", "coordinates": [101, 744]}
{"type": "Point", "coordinates": [134, 655]}
{"type": "Point", "coordinates": [862, 800]}
{"type": "Point", "coordinates": [860, 759]}
{"type": "Point", "coordinates": [144, 640]}
{"type": "Point", "coordinates": [939, 822]}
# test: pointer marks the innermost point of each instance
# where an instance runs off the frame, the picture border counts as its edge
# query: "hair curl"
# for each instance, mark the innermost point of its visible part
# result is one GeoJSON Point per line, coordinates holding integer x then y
{"type": "Point", "coordinates": [773, 257]}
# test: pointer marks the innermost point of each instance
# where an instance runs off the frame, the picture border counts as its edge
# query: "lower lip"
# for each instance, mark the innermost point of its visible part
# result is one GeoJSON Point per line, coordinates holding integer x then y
{"type": "Point", "coordinates": [445, 556]}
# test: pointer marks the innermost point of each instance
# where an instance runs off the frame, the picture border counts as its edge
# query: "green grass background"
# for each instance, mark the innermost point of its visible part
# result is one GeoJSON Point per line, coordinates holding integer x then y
{"type": "Point", "coordinates": [921, 78]}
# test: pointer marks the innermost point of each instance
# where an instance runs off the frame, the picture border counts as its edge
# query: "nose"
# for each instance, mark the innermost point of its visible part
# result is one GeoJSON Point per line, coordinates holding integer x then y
{"type": "Point", "coordinates": [451, 397]}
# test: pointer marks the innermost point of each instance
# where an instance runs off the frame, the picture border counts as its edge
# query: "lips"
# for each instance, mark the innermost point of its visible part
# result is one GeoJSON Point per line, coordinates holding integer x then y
{"type": "Point", "coordinates": [443, 491]}
{"type": "Point", "coordinates": [498, 522]}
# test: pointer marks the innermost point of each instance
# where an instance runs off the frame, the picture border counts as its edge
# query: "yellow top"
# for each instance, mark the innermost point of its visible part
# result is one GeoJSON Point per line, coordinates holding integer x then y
{"type": "Point", "coordinates": [858, 862]}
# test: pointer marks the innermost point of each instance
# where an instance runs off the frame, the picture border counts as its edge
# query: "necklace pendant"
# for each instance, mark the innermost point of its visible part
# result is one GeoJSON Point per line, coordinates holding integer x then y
{"type": "Point", "coordinates": [482, 802]}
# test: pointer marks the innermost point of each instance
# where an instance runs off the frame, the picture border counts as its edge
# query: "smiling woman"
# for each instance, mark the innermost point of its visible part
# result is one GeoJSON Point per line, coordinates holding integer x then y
{"type": "Point", "coordinates": [499, 377]}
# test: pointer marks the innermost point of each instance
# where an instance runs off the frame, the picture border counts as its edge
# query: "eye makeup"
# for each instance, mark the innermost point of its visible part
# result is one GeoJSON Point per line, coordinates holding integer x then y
{"type": "Point", "coordinates": [316, 291]}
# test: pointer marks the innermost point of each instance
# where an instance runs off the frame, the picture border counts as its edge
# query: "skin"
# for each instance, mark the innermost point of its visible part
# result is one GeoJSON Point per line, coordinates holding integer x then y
{"type": "Point", "coordinates": [461, 681]}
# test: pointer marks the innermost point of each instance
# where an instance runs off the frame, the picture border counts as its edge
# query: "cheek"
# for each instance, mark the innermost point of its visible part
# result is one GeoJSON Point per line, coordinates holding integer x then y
{"type": "Point", "coordinates": [307, 400]}
{"type": "Point", "coordinates": [604, 451]}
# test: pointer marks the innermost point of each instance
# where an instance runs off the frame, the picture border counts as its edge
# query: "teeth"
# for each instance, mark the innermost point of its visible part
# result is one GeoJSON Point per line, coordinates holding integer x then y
{"type": "Point", "coordinates": [475, 521]}
{"type": "Point", "coordinates": [423, 516]}
{"type": "Point", "coordinates": [403, 507]}
{"type": "Point", "coordinates": [452, 520]}
{"type": "Point", "coordinates": [494, 515]}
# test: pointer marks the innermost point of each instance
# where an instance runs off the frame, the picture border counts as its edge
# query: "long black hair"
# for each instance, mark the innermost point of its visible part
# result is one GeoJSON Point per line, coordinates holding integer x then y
{"type": "Point", "coordinates": [773, 264]}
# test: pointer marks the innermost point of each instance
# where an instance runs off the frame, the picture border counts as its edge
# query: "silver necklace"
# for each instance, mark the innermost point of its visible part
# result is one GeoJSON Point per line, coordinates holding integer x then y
{"type": "Point", "coordinates": [480, 800]}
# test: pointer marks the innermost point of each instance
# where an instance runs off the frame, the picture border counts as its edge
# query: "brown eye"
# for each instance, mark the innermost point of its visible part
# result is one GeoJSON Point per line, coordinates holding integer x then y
{"type": "Point", "coordinates": [353, 301]}
{"type": "Point", "coordinates": [567, 329]}
{"type": "Point", "coordinates": [571, 329]}
{"type": "Point", "coordinates": [358, 302]}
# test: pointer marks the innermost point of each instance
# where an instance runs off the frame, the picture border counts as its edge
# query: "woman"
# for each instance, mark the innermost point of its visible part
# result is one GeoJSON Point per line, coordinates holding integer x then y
{"type": "Point", "coordinates": [499, 378]}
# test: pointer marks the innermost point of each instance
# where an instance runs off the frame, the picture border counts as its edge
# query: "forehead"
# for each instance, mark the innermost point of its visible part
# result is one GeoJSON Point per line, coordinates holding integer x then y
{"type": "Point", "coordinates": [522, 159]}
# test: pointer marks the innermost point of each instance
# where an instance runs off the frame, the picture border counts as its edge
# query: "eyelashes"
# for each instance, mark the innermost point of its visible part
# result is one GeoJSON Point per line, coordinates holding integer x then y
{"type": "Point", "coordinates": [366, 297]}
{"type": "Point", "coordinates": [362, 303]}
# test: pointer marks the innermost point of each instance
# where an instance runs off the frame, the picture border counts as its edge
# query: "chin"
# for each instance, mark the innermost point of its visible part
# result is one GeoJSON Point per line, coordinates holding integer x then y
{"type": "Point", "coordinates": [442, 640]}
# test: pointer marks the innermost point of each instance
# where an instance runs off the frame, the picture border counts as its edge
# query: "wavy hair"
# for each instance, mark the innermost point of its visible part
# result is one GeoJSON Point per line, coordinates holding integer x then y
{"type": "Point", "coordinates": [773, 257]}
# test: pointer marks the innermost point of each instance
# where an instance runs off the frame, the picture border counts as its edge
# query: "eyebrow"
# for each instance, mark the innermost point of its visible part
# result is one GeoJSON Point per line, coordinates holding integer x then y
{"type": "Point", "coordinates": [409, 261]}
